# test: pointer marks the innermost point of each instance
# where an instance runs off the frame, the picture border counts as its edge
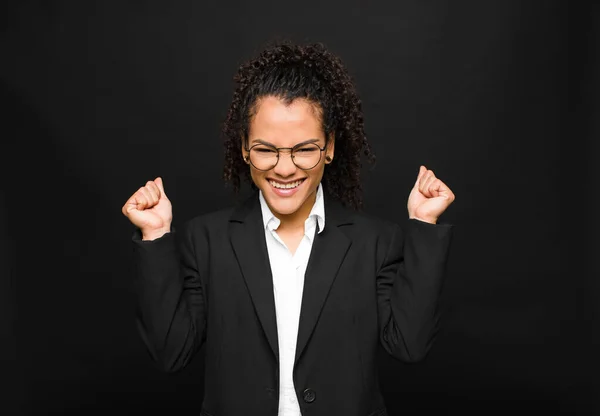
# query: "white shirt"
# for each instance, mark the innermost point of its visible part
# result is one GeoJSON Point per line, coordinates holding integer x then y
{"type": "Point", "coordinates": [288, 283]}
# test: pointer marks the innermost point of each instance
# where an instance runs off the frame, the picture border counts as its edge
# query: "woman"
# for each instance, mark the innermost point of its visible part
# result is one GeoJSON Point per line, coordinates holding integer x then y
{"type": "Point", "coordinates": [292, 291]}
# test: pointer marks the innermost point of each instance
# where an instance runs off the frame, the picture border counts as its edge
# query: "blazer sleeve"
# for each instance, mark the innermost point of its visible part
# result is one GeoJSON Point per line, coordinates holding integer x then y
{"type": "Point", "coordinates": [408, 288]}
{"type": "Point", "coordinates": [171, 298]}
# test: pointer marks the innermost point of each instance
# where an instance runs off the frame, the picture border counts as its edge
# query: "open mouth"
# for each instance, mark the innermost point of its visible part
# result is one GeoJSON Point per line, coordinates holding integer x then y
{"type": "Point", "coordinates": [286, 190]}
{"type": "Point", "coordinates": [286, 186]}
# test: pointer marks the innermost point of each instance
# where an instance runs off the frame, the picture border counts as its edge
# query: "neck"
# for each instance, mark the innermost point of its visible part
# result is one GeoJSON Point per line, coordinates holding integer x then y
{"type": "Point", "coordinates": [296, 219]}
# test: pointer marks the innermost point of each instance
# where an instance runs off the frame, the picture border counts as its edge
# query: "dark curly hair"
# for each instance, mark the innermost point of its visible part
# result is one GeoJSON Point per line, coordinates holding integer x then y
{"type": "Point", "coordinates": [311, 72]}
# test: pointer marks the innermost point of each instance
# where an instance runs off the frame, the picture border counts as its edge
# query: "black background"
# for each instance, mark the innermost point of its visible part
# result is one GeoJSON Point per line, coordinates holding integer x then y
{"type": "Point", "coordinates": [499, 98]}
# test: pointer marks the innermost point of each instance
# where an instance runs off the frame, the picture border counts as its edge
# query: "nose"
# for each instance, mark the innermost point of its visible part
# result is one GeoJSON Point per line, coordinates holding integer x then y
{"type": "Point", "coordinates": [285, 167]}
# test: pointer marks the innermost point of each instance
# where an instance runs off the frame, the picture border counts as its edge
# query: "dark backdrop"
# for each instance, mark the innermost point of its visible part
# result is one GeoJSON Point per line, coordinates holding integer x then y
{"type": "Point", "coordinates": [499, 98]}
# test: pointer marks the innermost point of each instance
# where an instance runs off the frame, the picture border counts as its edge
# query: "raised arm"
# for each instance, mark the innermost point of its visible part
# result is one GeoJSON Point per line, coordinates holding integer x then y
{"type": "Point", "coordinates": [408, 288]}
{"type": "Point", "coordinates": [170, 292]}
{"type": "Point", "coordinates": [410, 279]}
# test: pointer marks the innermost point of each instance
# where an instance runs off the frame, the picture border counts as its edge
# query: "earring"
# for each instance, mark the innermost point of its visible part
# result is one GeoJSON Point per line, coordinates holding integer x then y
{"type": "Point", "coordinates": [246, 159]}
{"type": "Point", "coordinates": [328, 159]}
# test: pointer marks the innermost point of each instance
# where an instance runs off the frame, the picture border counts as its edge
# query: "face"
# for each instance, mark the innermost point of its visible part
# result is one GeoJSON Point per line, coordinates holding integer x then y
{"type": "Point", "coordinates": [282, 125]}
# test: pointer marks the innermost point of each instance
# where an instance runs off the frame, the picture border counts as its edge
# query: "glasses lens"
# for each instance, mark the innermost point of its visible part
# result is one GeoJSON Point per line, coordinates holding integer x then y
{"type": "Point", "coordinates": [263, 157]}
{"type": "Point", "coordinates": [307, 156]}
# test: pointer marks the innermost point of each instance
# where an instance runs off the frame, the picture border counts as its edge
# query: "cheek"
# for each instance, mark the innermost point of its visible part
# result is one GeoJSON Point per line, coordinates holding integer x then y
{"type": "Point", "coordinates": [317, 173]}
{"type": "Point", "coordinates": [256, 175]}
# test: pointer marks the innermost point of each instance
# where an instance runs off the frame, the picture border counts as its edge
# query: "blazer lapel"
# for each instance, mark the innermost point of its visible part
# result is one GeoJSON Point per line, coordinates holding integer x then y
{"type": "Point", "coordinates": [327, 254]}
{"type": "Point", "coordinates": [247, 237]}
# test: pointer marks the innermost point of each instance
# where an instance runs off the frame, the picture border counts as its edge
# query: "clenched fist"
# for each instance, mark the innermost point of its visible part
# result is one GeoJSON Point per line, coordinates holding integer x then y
{"type": "Point", "coordinates": [150, 210]}
{"type": "Point", "coordinates": [429, 197]}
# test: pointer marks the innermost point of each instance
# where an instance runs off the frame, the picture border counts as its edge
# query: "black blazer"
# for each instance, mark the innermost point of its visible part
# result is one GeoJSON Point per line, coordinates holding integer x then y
{"type": "Point", "coordinates": [367, 282]}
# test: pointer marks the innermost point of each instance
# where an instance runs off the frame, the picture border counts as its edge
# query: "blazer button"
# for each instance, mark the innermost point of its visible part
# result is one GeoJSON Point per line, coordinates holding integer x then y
{"type": "Point", "coordinates": [309, 395]}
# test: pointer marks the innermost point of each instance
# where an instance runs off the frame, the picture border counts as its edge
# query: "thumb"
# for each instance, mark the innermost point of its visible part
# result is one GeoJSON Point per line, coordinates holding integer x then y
{"type": "Point", "coordinates": [158, 181]}
{"type": "Point", "coordinates": [422, 170]}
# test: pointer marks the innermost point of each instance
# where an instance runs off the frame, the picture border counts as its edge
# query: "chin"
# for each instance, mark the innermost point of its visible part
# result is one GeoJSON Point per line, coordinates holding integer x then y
{"type": "Point", "coordinates": [287, 205]}
{"type": "Point", "coordinates": [284, 206]}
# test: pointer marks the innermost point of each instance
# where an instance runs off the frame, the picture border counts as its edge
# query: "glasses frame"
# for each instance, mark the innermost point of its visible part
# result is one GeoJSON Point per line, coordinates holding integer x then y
{"type": "Point", "coordinates": [291, 149]}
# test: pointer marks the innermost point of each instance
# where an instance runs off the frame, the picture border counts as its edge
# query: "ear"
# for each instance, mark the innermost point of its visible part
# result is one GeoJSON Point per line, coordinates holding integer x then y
{"type": "Point", "coordinates": [330, 149]}
{"type": "Point", "coordinates": [245, 154]}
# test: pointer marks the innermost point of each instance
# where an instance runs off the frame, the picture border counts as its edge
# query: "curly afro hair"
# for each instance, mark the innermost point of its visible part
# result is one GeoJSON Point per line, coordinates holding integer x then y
{"type": "Point", "coordinates": [289, 72]}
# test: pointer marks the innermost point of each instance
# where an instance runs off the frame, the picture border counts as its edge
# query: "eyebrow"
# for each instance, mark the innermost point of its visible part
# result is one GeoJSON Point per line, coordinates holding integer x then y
{"type": "Point", "coordinates": [260, 141]}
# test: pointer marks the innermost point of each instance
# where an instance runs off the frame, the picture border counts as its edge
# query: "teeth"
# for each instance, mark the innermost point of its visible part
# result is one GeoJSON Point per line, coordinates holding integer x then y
{"type": "Point", "coordinates": [285, 186]}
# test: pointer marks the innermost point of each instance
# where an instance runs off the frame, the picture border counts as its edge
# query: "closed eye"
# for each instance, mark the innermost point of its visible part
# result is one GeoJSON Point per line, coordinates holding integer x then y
{"type": "Point", "coordinates": [264, 150]}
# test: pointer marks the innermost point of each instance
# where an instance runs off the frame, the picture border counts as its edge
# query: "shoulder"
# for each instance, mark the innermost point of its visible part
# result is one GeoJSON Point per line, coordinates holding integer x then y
{"type": "Point", "coordinates": [371, 236]}
{"type": "Point", "coordinates": [204, 230]}
{"type": "Point", "coordinates": [219, 220]}
{"type": "Point", "coordinates": [373, 227]}
{"type": "Point", "coordinates": [365, 219]}
{"type": "Point", "coordinates": [213, 219]}
{"type": "Point", "coordinates": [359, 224]}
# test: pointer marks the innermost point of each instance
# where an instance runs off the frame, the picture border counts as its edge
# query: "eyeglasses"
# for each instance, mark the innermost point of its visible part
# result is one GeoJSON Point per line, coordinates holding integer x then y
{"type": "Point", "coordinates": [304, 155]}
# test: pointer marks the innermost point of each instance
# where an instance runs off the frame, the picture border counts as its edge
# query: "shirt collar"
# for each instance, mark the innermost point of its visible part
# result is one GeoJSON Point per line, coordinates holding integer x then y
{"type": "Point", "coordinates": [271, 222]}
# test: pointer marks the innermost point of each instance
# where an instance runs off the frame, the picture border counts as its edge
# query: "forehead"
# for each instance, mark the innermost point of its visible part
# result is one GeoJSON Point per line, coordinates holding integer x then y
{"type": "Point", "coordinates": [282, 123]}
